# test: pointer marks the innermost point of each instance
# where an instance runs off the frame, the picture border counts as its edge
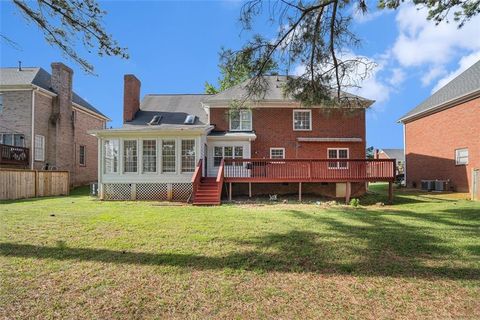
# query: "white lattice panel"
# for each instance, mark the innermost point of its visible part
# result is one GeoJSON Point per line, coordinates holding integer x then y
{"type": "Point", "coordinates": [181, 191]}
{"type": "Point", "coordinates": [117, 191]}
{"type": "Point", "coordinates": [152, 191]}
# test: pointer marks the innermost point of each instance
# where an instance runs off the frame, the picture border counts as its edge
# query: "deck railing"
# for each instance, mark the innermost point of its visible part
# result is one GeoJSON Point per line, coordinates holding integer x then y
{"type": "Point", "coordinates": [197, 176]}
{"type": "Point", "coordinates": [12, 155]}
{"type": "Point", "coordinates": [309, 170]}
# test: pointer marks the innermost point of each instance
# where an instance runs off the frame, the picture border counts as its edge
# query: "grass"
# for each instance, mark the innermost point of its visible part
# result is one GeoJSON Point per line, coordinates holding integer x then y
{"type": "Point", "coordinates": [75, 257]}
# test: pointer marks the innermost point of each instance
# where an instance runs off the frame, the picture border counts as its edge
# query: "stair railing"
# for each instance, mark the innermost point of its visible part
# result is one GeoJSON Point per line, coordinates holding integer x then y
{"type": "Point", "coordinates": [196, 178]}
{"type": "Point", "coordinates": [220, 176]}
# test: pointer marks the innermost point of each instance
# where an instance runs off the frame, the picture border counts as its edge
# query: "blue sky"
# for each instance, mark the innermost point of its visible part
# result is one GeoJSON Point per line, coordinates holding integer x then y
{"type": "Point", "coordinates": [174, 49]}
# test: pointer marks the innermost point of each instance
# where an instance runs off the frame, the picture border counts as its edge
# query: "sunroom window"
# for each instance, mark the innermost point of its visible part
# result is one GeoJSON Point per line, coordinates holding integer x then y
{"type": "Point", "coordinates": [111, 151]}
{"type": "Point", "coordinates": [130, 156]}
{"type": "Point", "coordinates": [168, 156]}
{"type": "Point", "coordinates": [149, 156]}
{"type": "Point", "coordinates": [241, 120]}
{"type": "Point", "coordinates": [188, 155]}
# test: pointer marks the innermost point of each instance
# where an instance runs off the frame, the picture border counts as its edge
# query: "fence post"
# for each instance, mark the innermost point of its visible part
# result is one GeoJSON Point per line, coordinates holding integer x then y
{"type": "Point", "coordinates": [36, 183]}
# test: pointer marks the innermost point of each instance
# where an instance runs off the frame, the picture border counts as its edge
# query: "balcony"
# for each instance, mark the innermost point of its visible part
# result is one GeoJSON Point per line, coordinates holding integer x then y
{"type": "Point", "coordinates": [12, 156]}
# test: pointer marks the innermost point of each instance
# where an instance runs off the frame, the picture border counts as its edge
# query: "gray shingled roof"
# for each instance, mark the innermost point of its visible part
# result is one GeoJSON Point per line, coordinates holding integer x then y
{"type": "Point", "coordinates": [40, 78]}
{"type": "Point", "coordinates": [275, 85]}
{"type": "Point", "coordinates": [397, 154]}
{"type": "Point", "coordinates": [173, 109]}
{"type": "Point", "coordinates": [465, 83]}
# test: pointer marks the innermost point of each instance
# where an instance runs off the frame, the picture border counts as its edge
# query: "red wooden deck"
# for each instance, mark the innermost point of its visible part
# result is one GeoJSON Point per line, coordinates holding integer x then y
{"type": "Point", "coordinates": [14, 156]}
{"type": "Point", "coordinates": [309, 170]}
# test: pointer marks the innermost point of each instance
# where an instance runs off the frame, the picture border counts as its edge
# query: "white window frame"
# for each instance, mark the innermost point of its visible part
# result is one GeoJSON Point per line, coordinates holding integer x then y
{"type": "Point", "coordinates": [143, 158]}
{"type": "Point", "coordinates": [182, 168]}
{"type": "Point", "coordinates": [240, 115]}
{"type": "Point", "coordinates": [37, 157]}
{"type": "Point", "coordinates": [124, 157]}
{"type": "Point", "coordinates": [276, 149]}
{"type": "Point", "coordinates": [309, 111]}
{"type": "Point", "coordinates": [234, 147]}
{"type": "Point", "coordinates": [337, 160]}
{"type": "Point", "coordinates": [457, 157]}
{"type": "Point", "coordinates": [161, 156]}
{"type": "Point", "coordinates": [118, 168]}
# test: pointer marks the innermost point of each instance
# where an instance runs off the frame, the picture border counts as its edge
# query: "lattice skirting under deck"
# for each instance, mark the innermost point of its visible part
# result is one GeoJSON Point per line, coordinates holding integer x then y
{"type": "Point", "coordinates": [147, 191]}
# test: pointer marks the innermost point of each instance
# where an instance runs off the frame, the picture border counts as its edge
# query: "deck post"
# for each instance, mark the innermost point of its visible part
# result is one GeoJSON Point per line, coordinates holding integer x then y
{"type": "Point", "coordinates": [348, 192]}
{"type": "Point", "coordinates": [249, 189]}
{"type": "Point", "coordinates": [390, 192]}
{"type": "Point", "coordinates": [229, 191]}
{"type": "Point", "coordinates": [300, 192]}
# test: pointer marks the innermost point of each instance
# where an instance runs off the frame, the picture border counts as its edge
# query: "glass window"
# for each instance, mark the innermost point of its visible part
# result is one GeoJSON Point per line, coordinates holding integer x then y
{"type": "Point", "coordinates": [188, 155]}
{"type": "Point", "coordinates": [277, 153]}
{"type": "Point", "coordinates": [8, 139]}
{"type": "Point", "coordinates": [81, 156]}
{"type": "Point", "coordinates": [241, 120]}
{"type": "Point", "coordinates": [130, 156]}
{"type": "Point", "coordinates": [339, 153]}
{"type": "Point", "coordinates": [217, 156]}
{"type": "Point", "coordinates": [461, 156]}
{"type": "Point", "coordinates": [168, 156]}
{"type": "Point", "coordinates": [149, 156]}
{"type": "Point", "coordinates": [302, 120]}
{"type": "Point", "coordinates": [111, 154]}
{"type": "Point", "coordinates": [39, 148]}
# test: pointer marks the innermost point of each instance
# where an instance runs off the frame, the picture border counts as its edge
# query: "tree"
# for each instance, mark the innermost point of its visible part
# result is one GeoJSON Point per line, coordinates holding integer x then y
{"type": "Point", "coordinates": [65, 23]}
{"type": "Point", "coordinates": [370, 152]}
{"type": "Point", "coordinates": [235, 71]}
{"type": "Point", "coordinates": [317, 35]}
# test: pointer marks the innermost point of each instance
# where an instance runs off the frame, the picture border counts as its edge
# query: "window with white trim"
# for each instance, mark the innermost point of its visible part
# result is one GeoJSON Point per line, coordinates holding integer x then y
{"type": "Point", "coordinates": [241, 120]}
{"type": "Point", "coordinates": [302, 120]}
{"type": "Point", "coordinates": [227, 152]}
{"type": "Point", "coordinates": [188, 155]}
{"type": "Point", "coordinates": [277, 153]}
{"type": "Point", "coordinates": [111, 156]}
{"type": "Point", "coordinates": [338, 153]}
{"type": "Point", "coordinates": [130, 156]}
{"type": "Point", "coordinates": [82, 156]}
{"type": "Point", "coordinates": [461, 156]}
{"type": "Point", "coordinates": [39, 148]}
{"type": "Point", "coordinates": [149, 156]}
{"type": "Point", "coordinates": [168, 156]}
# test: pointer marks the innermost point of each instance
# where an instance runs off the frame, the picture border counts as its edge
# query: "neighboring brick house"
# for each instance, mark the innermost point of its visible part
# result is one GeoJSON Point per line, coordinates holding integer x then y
{"type": "Point", "coordinates": [442, 134]}
{"type": "Point", "coordinates": [184, 146]}
{"type": "Point", "coordinates": [397, 154]}
{"type": "Point", "coordinates": [39, 113]}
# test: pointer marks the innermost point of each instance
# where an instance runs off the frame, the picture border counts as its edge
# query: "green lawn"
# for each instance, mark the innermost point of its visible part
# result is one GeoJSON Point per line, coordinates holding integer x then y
{"type": "Point", "coordinates": [76, 257]}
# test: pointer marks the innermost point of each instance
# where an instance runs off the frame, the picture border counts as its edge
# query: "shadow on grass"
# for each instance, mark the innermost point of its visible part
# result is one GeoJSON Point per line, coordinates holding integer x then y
{"type": "Point", "coordinates": [373, 245]}
{"type": "Point", "coordinates": [79, 192]}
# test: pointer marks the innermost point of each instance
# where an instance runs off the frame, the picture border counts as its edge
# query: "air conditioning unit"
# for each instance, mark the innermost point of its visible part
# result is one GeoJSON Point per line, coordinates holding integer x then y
{"type": "Point", "coordinates": [428, 185]}
{"type": "Point", "coordinates": [441, 185]}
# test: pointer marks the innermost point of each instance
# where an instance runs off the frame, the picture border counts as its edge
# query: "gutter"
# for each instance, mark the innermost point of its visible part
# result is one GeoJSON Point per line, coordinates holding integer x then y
{"type": "Point", "coordinates": [32, 143]}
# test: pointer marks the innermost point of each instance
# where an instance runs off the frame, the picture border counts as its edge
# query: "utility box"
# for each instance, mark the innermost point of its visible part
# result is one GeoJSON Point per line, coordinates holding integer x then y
{"type": "Point", "coordinates": [94, 189]}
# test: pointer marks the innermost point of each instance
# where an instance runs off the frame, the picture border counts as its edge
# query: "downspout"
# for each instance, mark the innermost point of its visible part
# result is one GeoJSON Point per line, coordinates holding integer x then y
{"type": "Point", "coordinates": [32, 150]}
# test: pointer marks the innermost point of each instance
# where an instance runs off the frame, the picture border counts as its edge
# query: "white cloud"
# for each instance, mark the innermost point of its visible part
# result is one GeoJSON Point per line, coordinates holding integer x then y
{"type": "Point", "coordinates": [432, 74]}
{"type": "Point", "coordinates": [398, 76]}
{"type": "Point", "coordinates": [464, 63]}
{"type": "Point", "coordinates": [360, 17]}
{"type": "Point", "coordinates": [422, 42]}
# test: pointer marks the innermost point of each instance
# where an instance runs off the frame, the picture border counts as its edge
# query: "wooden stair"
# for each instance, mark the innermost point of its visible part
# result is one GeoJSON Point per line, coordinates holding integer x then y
{"type": "Point", "coordinates": [208, 192]}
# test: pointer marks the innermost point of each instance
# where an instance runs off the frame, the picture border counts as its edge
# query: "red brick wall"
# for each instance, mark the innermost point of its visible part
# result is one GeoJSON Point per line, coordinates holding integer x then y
{"type": "Point", "coordinates": [431, 142]}
{"type": "Point", "coordinates": [274, 128]}
{"type": "Point", "coordinates": [131, 97]}
{"type": "Point", "coordinates": [84, 174]}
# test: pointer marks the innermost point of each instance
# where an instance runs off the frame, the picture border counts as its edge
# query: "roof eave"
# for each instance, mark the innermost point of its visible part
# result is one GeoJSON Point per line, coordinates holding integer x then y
{"type": "Point", "coordinates": [446, 105]}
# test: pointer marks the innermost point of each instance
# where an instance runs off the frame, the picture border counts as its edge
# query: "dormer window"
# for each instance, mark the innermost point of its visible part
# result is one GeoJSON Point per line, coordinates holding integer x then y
{"type": "Point", "coordinates": [241, 120]}
{"type": "Point", "coordinates": [155, 120]}
{"type": "Point", "coordinates": [190, 119]}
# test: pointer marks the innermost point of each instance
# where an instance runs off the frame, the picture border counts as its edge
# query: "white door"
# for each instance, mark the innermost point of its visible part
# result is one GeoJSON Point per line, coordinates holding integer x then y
{"type": "Point", "coordinates": [225, 149]}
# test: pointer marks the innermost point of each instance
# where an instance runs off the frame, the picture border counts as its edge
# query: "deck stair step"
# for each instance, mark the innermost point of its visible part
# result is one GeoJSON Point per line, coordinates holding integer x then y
{"type": "Point", "coordinates": [207, 192]}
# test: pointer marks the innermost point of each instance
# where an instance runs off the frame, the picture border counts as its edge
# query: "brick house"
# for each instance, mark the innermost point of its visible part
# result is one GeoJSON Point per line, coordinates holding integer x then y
{"type": "Point", "coordinates": [192, 145]}
{"type": "Point", "coordinates": [442, 135]}
{"type": "Point", "coordinates": [397, 154]}
{"type": "Point", "coordinates": [44, 124]}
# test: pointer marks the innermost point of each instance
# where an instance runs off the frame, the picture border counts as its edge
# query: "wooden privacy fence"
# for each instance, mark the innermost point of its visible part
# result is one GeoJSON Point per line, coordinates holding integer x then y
{"type": "Point", "coordinates": [19, 184]}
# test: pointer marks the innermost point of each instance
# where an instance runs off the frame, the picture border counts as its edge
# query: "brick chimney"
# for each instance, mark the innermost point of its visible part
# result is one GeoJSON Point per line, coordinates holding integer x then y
{"type": "Point", "coordinates": [131, 97]}
{"type": "Point", "coordinates": [64, 150]}
{"type": "Point", "coordinates": [375, 154]}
